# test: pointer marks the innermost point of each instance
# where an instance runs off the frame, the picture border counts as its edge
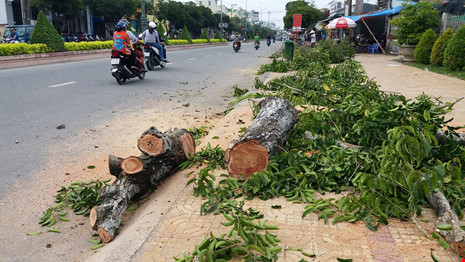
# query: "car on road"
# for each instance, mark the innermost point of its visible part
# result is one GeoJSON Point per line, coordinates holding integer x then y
{"type": "Point", "coordinates": [24, 32]}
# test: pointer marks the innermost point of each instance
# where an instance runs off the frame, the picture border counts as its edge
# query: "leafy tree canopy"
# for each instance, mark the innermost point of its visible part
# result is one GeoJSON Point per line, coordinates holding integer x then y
{"type": "Point", "coordinates": [69, 8]}
{"type": "Point", "coordinates": [310, 14]}
{"type": "Point", "coordinates": [113, 10]}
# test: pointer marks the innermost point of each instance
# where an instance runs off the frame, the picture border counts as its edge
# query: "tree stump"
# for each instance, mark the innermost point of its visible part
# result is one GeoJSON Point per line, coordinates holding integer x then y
{"type": "Point", "coordinates": [137, 176]}
{"type": "Point", "coordinates": [263, 139]}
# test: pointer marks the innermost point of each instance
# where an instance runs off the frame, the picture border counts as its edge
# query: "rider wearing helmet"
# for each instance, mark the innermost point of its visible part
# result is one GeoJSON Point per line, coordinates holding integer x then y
{"type": "Point", "coordinates": [151, 37]}
{"type": "Point", "coordinates": [139, 53]}
{"type": "Point", "coordinates": [122, 43]}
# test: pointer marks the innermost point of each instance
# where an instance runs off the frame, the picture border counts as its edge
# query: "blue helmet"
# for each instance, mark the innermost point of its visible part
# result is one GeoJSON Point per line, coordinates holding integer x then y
{"type": "Point", "coordinates": [120, 26]}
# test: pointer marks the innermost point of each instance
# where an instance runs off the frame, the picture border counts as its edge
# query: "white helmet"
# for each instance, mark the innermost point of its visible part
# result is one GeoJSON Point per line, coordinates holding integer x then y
{"type": "Point", "coordinates": [152, 25]}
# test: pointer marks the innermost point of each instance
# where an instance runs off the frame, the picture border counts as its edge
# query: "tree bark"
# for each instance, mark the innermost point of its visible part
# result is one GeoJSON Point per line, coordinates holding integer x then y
{"type": "Point", "coordinates": [445, 215]}
{"type": "Point", "coordinates": [137, 176]}
{"type": "Point", "coordinates": [263, 139]}
{"type": "Point", "coordinates": [442, 138]}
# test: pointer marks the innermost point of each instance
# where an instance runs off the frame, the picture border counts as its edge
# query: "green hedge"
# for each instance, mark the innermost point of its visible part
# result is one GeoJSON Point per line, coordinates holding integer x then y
{"type": "Point", "coordinates": [217, 40]}
{"type": "Point", "coordinates": [88, 45]}
{"type": "Point", "coordinates": [23, 48]}
{"type": "Point", "coordinates": [199, 41]}
{"type": "Point", "coordinates": [178, 42]}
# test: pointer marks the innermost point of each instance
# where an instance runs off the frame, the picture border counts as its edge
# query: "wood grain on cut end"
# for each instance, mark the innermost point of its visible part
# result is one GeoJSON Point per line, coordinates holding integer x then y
{"type": "Point", "coordinates": [103, 234]}
{"type": "Point", "coordinates": [150, 145]}
{"type": "Point", "coordinates": [188, 144]}
{"type": "Point", "coordinates": [246, 158]}
{"type": "Point", "coordinates": [132, 165]}
{"type": "Point", "coordinates": [93, 217]}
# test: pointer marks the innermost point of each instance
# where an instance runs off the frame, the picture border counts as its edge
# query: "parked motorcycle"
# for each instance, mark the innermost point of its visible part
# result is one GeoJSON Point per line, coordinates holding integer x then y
{"type": "Point", "coordinates": [152, 56]}
{"type": "Point", "coordinates": [236, 46]}
{"type": "Point", "coordinates": [121, 68]}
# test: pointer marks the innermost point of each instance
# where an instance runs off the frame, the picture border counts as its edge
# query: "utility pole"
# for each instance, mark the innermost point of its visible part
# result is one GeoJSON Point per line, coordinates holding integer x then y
{"type": "Point", "coordinates": [221, 20]}
{"type": "Point", "coordinates": [232, 6]}
{"type": "Point", "coordinates": [143, 16]}
{"type": "Point", "coordinates": [269, 19]}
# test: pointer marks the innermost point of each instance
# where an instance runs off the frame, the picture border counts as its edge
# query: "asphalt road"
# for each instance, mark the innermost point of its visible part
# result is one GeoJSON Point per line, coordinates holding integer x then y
{"type": "Point", "coordinates": [35, 100]}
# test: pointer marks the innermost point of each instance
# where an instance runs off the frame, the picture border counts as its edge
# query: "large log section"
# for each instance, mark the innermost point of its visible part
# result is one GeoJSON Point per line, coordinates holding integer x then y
{"type": "Point", "coordinates": [137, 176]}
{"type": "Point", "coordinates": [263, 139]}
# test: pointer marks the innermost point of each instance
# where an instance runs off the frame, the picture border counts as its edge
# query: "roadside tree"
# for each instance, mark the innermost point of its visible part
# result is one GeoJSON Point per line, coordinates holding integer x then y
{"type": "Point", "coordinates": [310, 14]}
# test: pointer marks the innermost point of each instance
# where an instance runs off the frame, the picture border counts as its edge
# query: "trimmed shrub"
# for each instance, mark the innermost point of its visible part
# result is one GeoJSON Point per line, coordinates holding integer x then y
{"type": "Point", "coordinates": [205, 35]}
{"type": "Point", "coordinates": [437, 54]}
{"type": "Point", "coordinates": [45, 33]}
{"type": "Point", "coordinates": [454, 56]}
{"type": "Point", "coordinates": [178, 42]}
{"type": "Point", "coordinates": [199, 41]}
{"type": "Point", "coordinates": [23, 48]}
{"type": "Point", "coordinates": [422, 51]}
{"type": "Point", "coordinates": [161, 31]}
{"type": "Point", "coordinates": [217, 34]}
{"type": "Point", "coordinates": [186, 35]}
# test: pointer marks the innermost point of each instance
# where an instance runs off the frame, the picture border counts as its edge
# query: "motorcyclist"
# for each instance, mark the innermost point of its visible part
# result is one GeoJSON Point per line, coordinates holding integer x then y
{"type": "Point", "coordinates": [122, 43]}
{"type": "Point", "coordinates": [268, 38]}
{"type": "Point", "coordinates": [14, 37]}
{"type": "Point", "coordinates": [257, 39]}
{"type": "Point", "coordinates": [274, 38]}
{"type": "Point", "coordinates": [135, 44]}
{"type": "Point", "coordinates": [237, 40]}
{"type": "Point", "coordinates": [151, 37]}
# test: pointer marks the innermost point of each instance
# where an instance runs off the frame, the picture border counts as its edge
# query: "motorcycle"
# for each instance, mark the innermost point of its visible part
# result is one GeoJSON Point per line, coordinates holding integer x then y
{"type": "Point", "coordinates": [8, 40]}
{"type": "Point", "coordinates": [121, 68]}
{"type": "Point", "coordinates": [268, 42]}
{"type": "Point", "coordinates": [257, 45]}
{"type": "Point", "coordinates": [152, 56]}
{"type": "Point", "coordinates": [236, 47]}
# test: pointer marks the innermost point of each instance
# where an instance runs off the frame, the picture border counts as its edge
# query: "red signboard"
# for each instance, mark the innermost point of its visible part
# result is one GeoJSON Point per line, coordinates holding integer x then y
{"type": "Point", "coordinates": [297, 24]}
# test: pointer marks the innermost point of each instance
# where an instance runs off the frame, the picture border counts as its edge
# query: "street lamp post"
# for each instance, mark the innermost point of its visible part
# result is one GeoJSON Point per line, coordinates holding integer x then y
{"type": "Point", "coordinates": [221, 20]}
{"type": "Point", "coordinates": [143, 16]}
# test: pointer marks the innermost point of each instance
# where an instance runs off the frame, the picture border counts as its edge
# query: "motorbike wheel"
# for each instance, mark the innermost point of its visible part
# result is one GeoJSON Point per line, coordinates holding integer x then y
{"type": "Point", "coordinates": [162, 64]}
{"type": "Point", "coordinates": [149, 62]}
{"type": "Point", "coordinates": [120, 80]}
{"type": "Point", "coordinates": [141, 75]}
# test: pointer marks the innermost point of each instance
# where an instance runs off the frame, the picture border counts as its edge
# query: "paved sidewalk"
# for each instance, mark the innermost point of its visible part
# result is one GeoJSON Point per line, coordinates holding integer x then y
{"type": "Point", "coordinates": [170, 224]}
{"type": "Point", "coordinates": [411, 82]}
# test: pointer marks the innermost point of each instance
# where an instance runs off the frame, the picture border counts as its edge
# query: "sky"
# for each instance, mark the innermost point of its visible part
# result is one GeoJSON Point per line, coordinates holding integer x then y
{"type": "Point", "coordinates": [277, 8]}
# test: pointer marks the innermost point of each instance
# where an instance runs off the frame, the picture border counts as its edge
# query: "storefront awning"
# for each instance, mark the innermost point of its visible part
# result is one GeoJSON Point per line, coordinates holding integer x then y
{"type": "Point", "coordinates": [390, 11]}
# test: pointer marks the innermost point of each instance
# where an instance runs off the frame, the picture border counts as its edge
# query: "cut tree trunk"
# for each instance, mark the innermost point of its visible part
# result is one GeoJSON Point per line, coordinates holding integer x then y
{"type": "Point", "coordinates": [446, 215]}
{"type": "Point", "coordinates": [263, 139]}
{"type": "Point", "coordinates": [138, 176]}
{"type": "Point", "coordinates": [442, 138]}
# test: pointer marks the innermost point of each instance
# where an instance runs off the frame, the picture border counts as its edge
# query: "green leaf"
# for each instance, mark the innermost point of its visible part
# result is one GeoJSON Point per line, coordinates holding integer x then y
{"type": "Point", "coordinates": [90, 167]}
{"type": "Point", "coordinates": [445, 227]}
{"type": "Point", "coordinates": [216, 137]}
{"type": "Point", "coordinates": [433, 257]}
{"type": "Point", "coordinates": [276, 207]}
{"type": "Point", "coordinates": [344, 259]}
{"type": "Point", "coordinates": [443, 243]}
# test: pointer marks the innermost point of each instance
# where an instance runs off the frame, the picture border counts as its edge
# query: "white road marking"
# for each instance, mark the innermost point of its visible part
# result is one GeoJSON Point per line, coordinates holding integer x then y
{"type": "Point", "coordinates": [63, 84]}
{"type": "Point", "coordinates": [192, 59]}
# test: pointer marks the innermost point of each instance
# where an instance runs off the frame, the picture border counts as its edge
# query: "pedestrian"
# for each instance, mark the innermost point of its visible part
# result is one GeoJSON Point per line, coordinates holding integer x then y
{"type": "Point", "coordinates": [313, 39]}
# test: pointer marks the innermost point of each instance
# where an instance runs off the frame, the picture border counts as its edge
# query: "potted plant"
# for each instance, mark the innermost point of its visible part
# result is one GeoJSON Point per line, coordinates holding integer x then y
{"type": "Point", "coordinates": [413, 20]}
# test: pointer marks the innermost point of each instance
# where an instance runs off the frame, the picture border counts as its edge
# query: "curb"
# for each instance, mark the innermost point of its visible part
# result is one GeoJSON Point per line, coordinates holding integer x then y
{"type": "Point", "coordinates": [72, 53]}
